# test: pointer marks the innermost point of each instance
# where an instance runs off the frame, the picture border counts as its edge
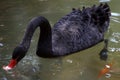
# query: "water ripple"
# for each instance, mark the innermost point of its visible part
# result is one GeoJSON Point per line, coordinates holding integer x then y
{"type": "Point", "coordinates": [104, 0]}
{"type": "Point", "coordinates": [115, 37]}
{"type": "Point", "coordinates": [112, 49]}
{"type": "Point", "coordinates": [42, 0]}
{"type": "Point", "coordinates": [114, 17]}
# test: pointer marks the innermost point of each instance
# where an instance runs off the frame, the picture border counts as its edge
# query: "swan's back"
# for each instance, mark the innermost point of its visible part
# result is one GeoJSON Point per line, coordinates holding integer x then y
{"type": "Point", "coordinates": [80, 29]}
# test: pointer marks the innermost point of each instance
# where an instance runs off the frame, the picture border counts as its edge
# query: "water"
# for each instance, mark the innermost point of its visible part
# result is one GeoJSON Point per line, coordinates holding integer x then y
{"type": "Point", "coordinates": [84, 65]}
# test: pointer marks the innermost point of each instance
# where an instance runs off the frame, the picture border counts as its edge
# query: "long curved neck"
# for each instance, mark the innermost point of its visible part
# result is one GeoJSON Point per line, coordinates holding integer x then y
{"type": "Point", "coordinates": [45, 31]}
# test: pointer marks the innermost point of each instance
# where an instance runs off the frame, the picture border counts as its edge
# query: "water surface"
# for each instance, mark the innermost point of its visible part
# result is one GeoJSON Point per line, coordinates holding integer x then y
{"type": "Point", "coordinates": [84, 65]}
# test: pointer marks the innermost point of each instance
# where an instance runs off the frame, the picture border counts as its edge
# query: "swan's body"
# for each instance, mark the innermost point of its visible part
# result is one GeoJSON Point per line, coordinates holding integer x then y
{"type": "Point", "coordinates": [74, 32]}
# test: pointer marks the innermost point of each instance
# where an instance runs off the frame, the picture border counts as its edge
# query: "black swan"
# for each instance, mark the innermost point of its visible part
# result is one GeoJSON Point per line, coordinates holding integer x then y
{"type": "Point", "coordinates": [78, 30]}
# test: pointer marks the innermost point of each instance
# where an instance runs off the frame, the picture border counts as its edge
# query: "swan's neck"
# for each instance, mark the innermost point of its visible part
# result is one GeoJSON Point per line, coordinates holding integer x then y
{"type": "Point", "coordinates": [45, 31]}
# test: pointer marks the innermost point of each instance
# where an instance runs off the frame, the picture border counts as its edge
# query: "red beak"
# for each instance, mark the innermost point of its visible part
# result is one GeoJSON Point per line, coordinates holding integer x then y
{"type": "Point", "coordinates": [11, 65]}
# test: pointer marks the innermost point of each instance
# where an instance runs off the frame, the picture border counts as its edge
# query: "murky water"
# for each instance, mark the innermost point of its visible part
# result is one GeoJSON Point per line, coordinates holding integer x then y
{"type": "Point", "coordinates": [84, 65]}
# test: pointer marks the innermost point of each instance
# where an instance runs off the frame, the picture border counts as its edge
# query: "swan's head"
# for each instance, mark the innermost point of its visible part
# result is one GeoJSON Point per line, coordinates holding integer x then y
{"type": "Point", "coordinates": [18, 54]}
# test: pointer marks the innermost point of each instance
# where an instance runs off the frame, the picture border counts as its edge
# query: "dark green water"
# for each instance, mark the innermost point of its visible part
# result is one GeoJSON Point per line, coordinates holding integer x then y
{"type": "Point", "coordinates": [84, 65]}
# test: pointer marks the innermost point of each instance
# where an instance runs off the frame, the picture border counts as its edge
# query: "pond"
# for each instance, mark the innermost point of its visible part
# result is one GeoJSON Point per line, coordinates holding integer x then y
{"type": "Point", "coordinates": [84, 65]}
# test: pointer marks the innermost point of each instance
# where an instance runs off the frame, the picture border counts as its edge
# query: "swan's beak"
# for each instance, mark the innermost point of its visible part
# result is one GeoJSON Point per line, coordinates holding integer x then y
{"type": "Point", "coordinates": [11, 65]}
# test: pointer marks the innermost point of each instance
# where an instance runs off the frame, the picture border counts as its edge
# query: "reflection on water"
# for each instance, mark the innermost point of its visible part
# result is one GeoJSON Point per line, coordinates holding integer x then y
{"type": "Point", "coordinates": [84, 65]}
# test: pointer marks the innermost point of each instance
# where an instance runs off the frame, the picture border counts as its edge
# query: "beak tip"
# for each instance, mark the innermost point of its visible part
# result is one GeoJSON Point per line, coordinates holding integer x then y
{"type": "Point", "coordinates": [6, 68]}
{"type": "Point", "coordinates": [11, 65]}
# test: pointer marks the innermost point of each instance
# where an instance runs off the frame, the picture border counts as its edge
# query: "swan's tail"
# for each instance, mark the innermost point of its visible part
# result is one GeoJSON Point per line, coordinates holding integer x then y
{"type": "Point", "coordinates": [101, 13]}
